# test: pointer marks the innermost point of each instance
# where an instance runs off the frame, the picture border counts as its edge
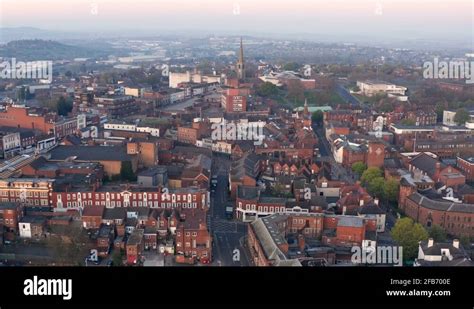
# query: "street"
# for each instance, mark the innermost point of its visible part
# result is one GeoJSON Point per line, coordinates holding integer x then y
{"type": "Point", "coordinates": [337, 170]}
{"type": "Point", "coordinates": [228, 235]}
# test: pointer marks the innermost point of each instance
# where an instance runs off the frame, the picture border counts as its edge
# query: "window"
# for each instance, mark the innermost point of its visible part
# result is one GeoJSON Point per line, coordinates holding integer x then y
{"type": "Point", "coordinates": [187, 234]}
{"type": "Point", "coordinates": [194, 234]}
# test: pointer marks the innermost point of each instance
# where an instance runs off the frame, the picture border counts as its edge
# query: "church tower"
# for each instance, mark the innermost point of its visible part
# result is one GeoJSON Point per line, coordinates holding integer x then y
{"type": "Point", "coordinates": [240, 66]}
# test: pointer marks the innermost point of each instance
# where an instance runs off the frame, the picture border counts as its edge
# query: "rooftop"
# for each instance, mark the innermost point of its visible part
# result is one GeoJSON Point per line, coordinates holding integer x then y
{"type": "Point", "coordinates": [90, 153]}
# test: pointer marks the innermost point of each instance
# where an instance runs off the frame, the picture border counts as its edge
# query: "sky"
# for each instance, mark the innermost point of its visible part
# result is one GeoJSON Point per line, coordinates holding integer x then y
{"type": "Point", "coordinates": [377, 19]}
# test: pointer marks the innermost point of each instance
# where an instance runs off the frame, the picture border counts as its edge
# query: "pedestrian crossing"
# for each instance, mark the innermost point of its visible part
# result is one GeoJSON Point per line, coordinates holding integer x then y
{"type": "Point", "coordinates": [222, 225]}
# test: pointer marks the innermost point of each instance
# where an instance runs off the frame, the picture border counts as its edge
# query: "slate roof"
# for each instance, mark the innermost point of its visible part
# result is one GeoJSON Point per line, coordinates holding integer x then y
{"type": "Point", "coordinates": [91, 153]}
{"type": "Point", "coordinates": [426, 163]}
{"type": "Point", "coordinates": [442, 205]}
{"type": "Point", "coordinates": [350, 221]}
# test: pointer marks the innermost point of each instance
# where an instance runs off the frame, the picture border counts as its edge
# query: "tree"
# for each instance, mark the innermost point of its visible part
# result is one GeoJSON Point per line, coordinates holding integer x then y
{"type": "Point", "coordinates": [465, 241]}
{"type": "Point", "coordinates": [408, 234]}
{"type": "Point", "coordinates": [295, 91]}
{"type": "Point", "coordinates": [279, 190]}
{"type": "Point", "coordinates": [63, 106]}
{"type": "Point", "coordinates": [369, 174]}
{"type": "Point", "coordinates": [291, 66]}
{"type": "Point", "coordinates": [68, 244]}
{"type": "Point", "coordinates": [437, 233]}
{"type": "Point", "coordinates": [462, 115]}
{"type": "Point", "coordinates": [117, 257]}
{"type": "Point", "coordinates": [318, 117]}
{"type": "Point", "coordinates": [391, 190]}
{"type": "Point", "coordinates": [267, 90]}
{"type": "Point", "coordinates": [359, 168]}
{"type": "Point", "coordinates": [440, 107]}
{"type": "Point", "coordinates": [376, 187]}
{"type": "Point", "coordinates": [126, 171]}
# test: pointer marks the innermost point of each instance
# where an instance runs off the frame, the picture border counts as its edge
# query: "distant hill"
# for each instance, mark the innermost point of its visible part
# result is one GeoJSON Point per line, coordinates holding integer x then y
{"type": "Point", "coordinates": [29, 50]}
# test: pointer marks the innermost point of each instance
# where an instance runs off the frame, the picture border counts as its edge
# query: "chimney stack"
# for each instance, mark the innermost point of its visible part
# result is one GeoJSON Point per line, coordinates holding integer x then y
{"type": "Point", "coordinates": [376, 201]}
{"type": "Point", "coordinates": [456, 243]}
{"type": "Point", "coordinates": [438, 166]}
{"type": "Point", "coordinates": [361, 203]}
{"type": "Point", "coordinates": [344, 209]}
{"type": "Point", "coordinates": [430, 242]}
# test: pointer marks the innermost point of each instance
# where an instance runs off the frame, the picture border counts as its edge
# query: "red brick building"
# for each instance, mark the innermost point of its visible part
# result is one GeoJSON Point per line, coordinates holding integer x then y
{"type": "Point", "coordinates": [234, 100]}
{"type": "Point", "coordinates": [268, 237]}
{"type": "Point", "coordinates": [192, 237]}
{"type": "Point", "coordinates": [10, 215]}
{"type": "Point", "coordinates": [20, 117]}
{"type": "Point", "coordinates": [92, 217]}
{"type": "Point", "coordinates": [466, 165]}
{"type": "Point", "coordinates": [456, 218]}
{"type": "Point", "coordinates": [111, 196]}
{"type": "Point", "coordinates": [375, 154]}
{"type": "Point", "coordinates": [146, 150]}
{"type": "Point", "coordinates": [135, 246]}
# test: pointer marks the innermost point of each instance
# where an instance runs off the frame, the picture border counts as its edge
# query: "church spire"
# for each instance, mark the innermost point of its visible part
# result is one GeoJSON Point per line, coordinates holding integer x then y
{"type": "Point", "coordinates": [240, 63]}
{"type": "Point", "coordinates": [241, 55]}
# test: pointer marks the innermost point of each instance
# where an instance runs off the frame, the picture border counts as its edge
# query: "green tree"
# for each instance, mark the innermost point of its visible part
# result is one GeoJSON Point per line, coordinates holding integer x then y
{"type": "Point", "coordinates": [369, 174]}
{"type": "Point", "coordinates": [267, 90]}
{"type": "Point", "coordinates": [126, 171]}
{"type": "Point", "coordinates": [117, 257]}
{"type": "Point", "coordinates": [295, 92]}
{"type": "Point", "coordinates": [462, 115]}
{"type": "Point", "coordinates": [68, 244]}
{"type": "Point", "coordinates": [391, 190]}
{"type": "Point", "coordinates": [465, 241]}
{"type": "Point", "coordinates": [440, 107]}
{"type": "Point", "coordinates": [318, 117]}
{"type": "Point", "coordinates": [291, 66]}
{"type": "Point", "coordinates": [63, 106]}
{"type": "Point", "coordinates": [437, 233]}
{"type": "Point", "coordinates": [408, 234]}
{"type": "Point", "coordinates": [376, 187]}
{"type": "Point", "coordinates": [359, 168]}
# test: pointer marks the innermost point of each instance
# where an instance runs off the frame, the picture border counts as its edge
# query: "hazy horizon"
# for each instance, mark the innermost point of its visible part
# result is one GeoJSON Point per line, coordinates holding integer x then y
{"type": "Point", "coordinates": [448, 22]}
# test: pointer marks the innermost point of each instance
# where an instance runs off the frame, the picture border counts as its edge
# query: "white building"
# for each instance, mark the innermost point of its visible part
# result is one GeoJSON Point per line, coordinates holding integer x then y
{"type": "Point", "coordinates": [187, 77]}
{"type": "Point", "coordinates": [131, 128]}
{"type": "Point", "coordinates": [370, 88]}
{"type": "Point", "coordinates": [431, 253]}
{"type": "Point", "coordinates": [448, 118]}
{"type": "Point", "coordinates": [11, 144]}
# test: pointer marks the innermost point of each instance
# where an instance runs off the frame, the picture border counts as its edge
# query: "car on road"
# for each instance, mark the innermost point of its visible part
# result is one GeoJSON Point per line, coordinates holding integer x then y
{"type": "Point", "coordinates": [229, 212]}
